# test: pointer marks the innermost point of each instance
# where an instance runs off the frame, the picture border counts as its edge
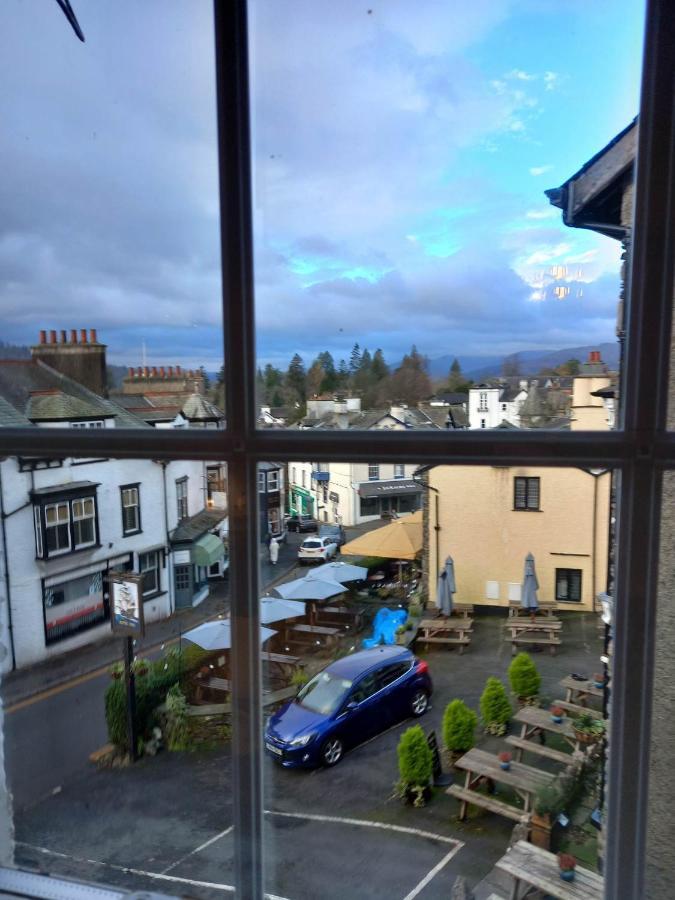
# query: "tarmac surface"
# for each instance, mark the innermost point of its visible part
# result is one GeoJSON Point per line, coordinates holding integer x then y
{"type": "Point", "coordinates": [165, 824]}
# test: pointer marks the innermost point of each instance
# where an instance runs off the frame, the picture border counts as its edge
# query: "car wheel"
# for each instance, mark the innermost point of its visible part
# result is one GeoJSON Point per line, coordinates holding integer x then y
{"type": "Point", "coordinates": [419, 703]}
{"type": "Point", "coordinates": [331, 752]}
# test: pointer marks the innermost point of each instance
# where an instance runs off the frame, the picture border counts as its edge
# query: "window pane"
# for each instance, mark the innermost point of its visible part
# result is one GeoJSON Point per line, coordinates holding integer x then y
{"type": "Point", "coordinates": [121, 144]}
{"type": "Point", "coordinates": [54, 703]}
{"type": "Point", "coordinates": [446, 535]}
{"type": "Point", "coordinates": [402, 162]}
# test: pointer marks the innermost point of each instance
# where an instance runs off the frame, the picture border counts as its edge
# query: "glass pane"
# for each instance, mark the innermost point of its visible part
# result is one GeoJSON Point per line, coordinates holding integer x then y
{"type": "Point", "coordinates": [441, 212]}
{"type": "Point", "coordinates": [438, 584]}
{"type": "Point", "coordinates": [110, 245]}
{"type": "Point", "coordinates": [164, 822]}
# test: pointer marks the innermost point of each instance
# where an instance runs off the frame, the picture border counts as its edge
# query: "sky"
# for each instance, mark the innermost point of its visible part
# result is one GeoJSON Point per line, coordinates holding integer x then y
{"type": "Point", "coordinates": [401, 152]}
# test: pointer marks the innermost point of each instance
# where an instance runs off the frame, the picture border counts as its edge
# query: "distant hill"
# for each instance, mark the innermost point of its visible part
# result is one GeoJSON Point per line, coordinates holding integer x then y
{"type": "Point", "coordinates": [14, 351]}
{"type": "Point", "coordinates": [530, 361]}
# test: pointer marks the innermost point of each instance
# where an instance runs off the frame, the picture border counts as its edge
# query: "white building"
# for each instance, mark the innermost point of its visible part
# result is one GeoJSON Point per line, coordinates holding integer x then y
{"type": "Point", "coordinates": [490, 405]}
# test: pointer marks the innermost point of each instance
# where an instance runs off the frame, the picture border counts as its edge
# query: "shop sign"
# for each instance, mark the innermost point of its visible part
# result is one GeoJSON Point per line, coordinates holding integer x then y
{"type": "Point", "coordinates": [126, 612]}
{"type": "Point", "coordinates": [333, 497]}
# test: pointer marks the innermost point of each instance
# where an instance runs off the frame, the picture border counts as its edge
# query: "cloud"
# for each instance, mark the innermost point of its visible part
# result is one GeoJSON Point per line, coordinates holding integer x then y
{"type": "Point", "coordinates": [540, 170]}
{"type": "Point", "coordinates": [551, 81]}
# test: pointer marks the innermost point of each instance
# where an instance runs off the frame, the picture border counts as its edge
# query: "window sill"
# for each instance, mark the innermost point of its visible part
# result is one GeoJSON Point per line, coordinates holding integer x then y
{"type": "Point", "coordinates": [126, 534]}
{"type": "Point", "coordinates": [524, 509]}
{"type": "Point", "coordinates": [69, 553]}
{"type": "Point", "coordinates": [153, 596]}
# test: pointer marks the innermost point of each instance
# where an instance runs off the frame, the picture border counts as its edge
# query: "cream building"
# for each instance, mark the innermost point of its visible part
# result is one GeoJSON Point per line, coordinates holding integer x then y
{"type": "Point", "coordinates": [490, 517]}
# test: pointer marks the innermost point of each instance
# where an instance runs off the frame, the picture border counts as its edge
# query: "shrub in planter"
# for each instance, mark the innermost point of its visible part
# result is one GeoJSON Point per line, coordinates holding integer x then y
{"type": "Point", "coordinates": [524, 678]}
{"type": "Point", "coordinates": [415, 766]}
{"type": "Point", "coordinates": [495, 707]}
{"type": "Point", "coordinates": [150, 693]}
{"type": "Point", "coordinates": [587, 729]}
{"type": "Point", "coordinates": [117, 670]}
{"type": "Point", "coordinates": [459, 724]}
{"type": "Point", "coordinates": [140, 667]}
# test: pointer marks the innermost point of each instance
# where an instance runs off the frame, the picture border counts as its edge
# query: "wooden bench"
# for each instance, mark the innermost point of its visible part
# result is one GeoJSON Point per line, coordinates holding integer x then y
{"type": "Point", "coordinates": [466, 796]}
{"type": "Point", "coordinates": [462, 609]}
{"type": "Point", "coordinates": [552, 642]}
{"type": "Point", "coordinates": [334, 615]}
{"type": "Point", "coordinates": [324, 633]}
{"type": "Point", "coordinates": [461, 640]}
{"type": "Point", "coordinates": [544, 607]}
{"type": "Point", "coordinates": [540, 623]}
{"type": "Point", "coordinates": [538, 749]}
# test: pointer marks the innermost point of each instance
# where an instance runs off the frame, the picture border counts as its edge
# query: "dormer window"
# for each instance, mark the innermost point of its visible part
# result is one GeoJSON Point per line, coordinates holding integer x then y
{"type": "Point", "coordinates": [65, 519]}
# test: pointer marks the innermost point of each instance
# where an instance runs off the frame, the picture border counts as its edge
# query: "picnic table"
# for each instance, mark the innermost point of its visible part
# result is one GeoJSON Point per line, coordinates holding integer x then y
{"type": "Point", "coordinates": [541, 630]}
{"type": "Point", "coordinates": [446, 630]}
{"type": "Point", "coordinates": [580, 691]}
{"type": "Point", "coordinates": [284, 664]}
{"type": "Point", "coordinates": [481, 766]}
{"type": "Point", "coordinates": [537, 870]}
{"type": "Point", "coordinates": [544, 608]}
{"type": "Point", "coordinates": [335, 614]}
{"type": "Point", "coordinates": [325, 634]}
{"type": "Point", "coordinates": [537, 723]}
{"type": "Point", "coordinates": [462, 609]}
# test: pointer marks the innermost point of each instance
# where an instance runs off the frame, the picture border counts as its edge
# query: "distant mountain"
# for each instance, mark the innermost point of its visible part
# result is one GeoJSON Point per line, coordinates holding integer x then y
{"type": "Point", "coordinates": [530, 361]}
{"type": "Point", "coordinates": [13, 351]}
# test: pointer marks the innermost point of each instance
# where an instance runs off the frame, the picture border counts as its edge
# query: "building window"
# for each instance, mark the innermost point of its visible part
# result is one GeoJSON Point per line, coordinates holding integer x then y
{"type": "Point", "coordinates": [38, 531]}
{"type": "Point", "coordinates": [182, 578]}
{"type": "Point", "coordinates": [482, 402]}
{"type": "Point", "coordinates": [526, 493]}
{"type": "Point", "coordinates": [57, 528]}
{"type": "Point", "coordinates": [84, 522]}
{"type": "Point", "coordinates": [182, 498]}
{"type": "Point", "coordinates": [273, 481]}
{"type": "Point", "coordinates": [370, 506]}
{"type": "Point", "coordinates": [482, 423]}
{"type": "Point", "coordinates": [503, 407]}
{"type": "Point", "coordinates": [216, 484]}
{"type": "Point", "coordinates": [373, 473]}
{"type": "Point", "coordinates": [399, 471]}
{"type": "Point", "coordinates": [98, 423]}
{"type": "Point", "coordinates": [131, 509]}
{"type": "Point", "coordinates": [73, 606]}
{"type": "Point", "coordinates": [568, 585]}
{"type": "Point", "coordinates": [293, 475]}
{"type": "Point", "coordinates": [148, 566]}
{"type": "Point", "coordinates": [261, 482]}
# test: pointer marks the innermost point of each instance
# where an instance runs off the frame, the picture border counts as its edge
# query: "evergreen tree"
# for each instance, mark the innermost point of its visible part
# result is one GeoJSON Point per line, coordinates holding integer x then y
{"type": "Point", "coordinates": [457, 384]}
{"type": "Point", "coordinates": [379, 368]}
{"type": "Point", "coordinates": [315, 377]}
{"type": "Point", "coordinates": [207, 380]}
{"type": "Point", "coordinates": [330, 376]}
{"type": "Point", "coordinates": [342, 375]}
{"type": "Point", "coordinates": [354, 360]}
{"type": "Point", "coordinates": [296, 378]}
{"type": "Point", "coordinates": [409, 384]}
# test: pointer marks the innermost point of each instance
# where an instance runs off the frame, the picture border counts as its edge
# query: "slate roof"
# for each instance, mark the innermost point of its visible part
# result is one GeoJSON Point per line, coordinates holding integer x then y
{"type": "Point", "coordinates": [194, 527]}
{"type": "Point", "coordinates": [20, 379]}
{"type": "Point", "coordinates": [509, 394]}
{"type": "Point", "coordinates": [10, 417]}
{"type": "Point", "coordinates": [451, 398]}
{"type": "Point", "coordinates": [197, 408]}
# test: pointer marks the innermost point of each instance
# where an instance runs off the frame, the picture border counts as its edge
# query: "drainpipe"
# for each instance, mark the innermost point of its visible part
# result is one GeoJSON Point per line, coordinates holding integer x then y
{"type": "Point", "coordinates": [7, 579]}
{"type": "Point", "coordinates": [169, 570]}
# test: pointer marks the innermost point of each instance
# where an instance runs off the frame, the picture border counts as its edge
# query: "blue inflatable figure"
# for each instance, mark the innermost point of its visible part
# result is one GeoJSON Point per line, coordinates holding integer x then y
{"type": "Point", "coordinates": [384, 627]}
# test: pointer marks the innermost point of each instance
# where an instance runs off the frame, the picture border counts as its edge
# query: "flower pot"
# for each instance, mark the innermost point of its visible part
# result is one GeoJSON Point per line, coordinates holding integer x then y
{"type": "Point", "coordinates": [505, 765]}
{"type": "Point", "coordinates": [540, 831]}
{"type": "Point", "coordinates": [567, 874]}
{"type": "Point", "coordinates": [583, 737]}
{"type": "Point", "coordinates": [557, 719]}
{"type": "Point", "coordinates": [599, 684]}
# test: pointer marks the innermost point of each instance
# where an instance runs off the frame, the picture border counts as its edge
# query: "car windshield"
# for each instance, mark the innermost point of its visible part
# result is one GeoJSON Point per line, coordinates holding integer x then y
{"type": "Point", "coordinates": [312, 544]}
{"type": "Point", "coordinates": [324, 693]}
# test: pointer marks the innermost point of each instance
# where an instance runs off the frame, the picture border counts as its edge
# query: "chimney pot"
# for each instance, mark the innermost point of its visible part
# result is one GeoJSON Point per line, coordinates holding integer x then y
{"type": "Point", "coordinates": [83, 335]}
{"type": "Point", "coordinates": [52, 337]}
{"type": "Point", "coordinates": [162, 372]}
{"type": "Point", "coordinates": [178, 370]}
{"type": "Point", "coordinates": [43, 337]}
{"type": "Point", "coordinates": [170, 371]}
{"type": "Point", "coordinates": [139, 371]}
{"type": "Point", "coordinates": [154, 371]}
{"type": "Point", "coordinates": [73, 336]}
{"type": "Point", "coordinates": [146, 371]}
{"type": "Point", "coordinates": [131, 372]}
{"type": "Point", "coordinates": [63, 337]}
{"type": "Point", "coordinates": [92, 336]}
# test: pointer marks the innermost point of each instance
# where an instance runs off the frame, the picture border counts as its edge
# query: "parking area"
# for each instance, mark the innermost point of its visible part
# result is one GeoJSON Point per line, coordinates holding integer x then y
{"type": "Point", "coordinates": [166, 823]}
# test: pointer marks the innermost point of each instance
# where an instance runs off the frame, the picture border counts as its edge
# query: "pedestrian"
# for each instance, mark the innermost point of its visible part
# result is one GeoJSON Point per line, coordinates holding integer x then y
{"type": "Point", "coordinates": [274, 551]}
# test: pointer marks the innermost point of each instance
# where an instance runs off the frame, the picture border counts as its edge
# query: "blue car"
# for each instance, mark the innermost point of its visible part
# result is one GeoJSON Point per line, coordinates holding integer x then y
{"type": "Point", "coordinates": [348, 702]}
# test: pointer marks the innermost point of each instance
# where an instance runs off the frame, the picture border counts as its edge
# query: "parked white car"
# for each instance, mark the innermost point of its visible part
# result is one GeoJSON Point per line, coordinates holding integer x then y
{"type": "Point", "coordinates": [317, 549]}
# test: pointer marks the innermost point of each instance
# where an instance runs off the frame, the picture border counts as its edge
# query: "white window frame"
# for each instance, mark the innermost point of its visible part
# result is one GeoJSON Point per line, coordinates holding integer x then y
{"type": "Point", "coordinates": [182, 498]}
{"type": "Point", "coordinates": [639, 452]}
{"type": "Point", "coordinates": [131, 489]}
{"type": "Point", "coordinates": [156, 568]}
{"type": "Point", "coordinates": [55, 505]}
{"type": "Point", "coordinates": [94, 423]}
{"type": "Point", "coordinates": [272, 480]}
{"type": "Point", "coordinates": [83, 518]}
{"type": "Point", "coordinates": [373, 472]}
{"type": "Point", "coordinates": [399, 470]}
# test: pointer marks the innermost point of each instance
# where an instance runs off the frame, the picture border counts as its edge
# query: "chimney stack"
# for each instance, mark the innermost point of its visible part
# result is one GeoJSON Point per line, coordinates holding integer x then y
{"type": "Point", "coordinates": [146, 371]}
{"type": "Point", "coordinates": [154, 371]}
{"type": "Point", "coordinates": [92, 336]}
{"type": "Point", "coordinates": [73, 336]}
{"type": "Point", "coordinates": [43, 337]}
{"type": "Point", "coordinates": [52, 337]}
{"type": "Point", "coordinates": [83, 335]}
{"type": "Point", "coordinates": [178, 371]}
{"type": "Point", "coordinates": [81, 361]}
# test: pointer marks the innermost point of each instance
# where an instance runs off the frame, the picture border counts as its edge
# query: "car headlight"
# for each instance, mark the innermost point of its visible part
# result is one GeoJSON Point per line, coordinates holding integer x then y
{"type": "Point", "coordinates": [302, 741]}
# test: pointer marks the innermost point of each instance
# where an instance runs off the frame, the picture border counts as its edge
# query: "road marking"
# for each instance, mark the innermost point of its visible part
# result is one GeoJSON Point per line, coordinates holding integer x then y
{"type": "Point", "coordinates": [57, 689]}
{"type": "Point", "coordinates": [127, 870]}
{"type": "Point", "coordinates": [432, 874]}
{"type": "Point", "coordinates": [367, 823]}
{"type": "Point", "coordinates": [198, 849]}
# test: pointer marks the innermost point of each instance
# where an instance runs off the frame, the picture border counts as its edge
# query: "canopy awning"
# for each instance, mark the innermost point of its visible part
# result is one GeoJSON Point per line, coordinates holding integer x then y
{"type": "Point", "coordinates": [403, 539]}
{"type": "Point", "coordinates": [208, 550]}
{"type": "Point", "coordinates": [395, 487]}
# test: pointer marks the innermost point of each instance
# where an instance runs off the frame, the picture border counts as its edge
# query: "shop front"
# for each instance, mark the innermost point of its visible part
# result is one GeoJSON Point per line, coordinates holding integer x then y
{"type": "Point", "coordinates": [196, 552]}
{"type": "Point", "coordinates": [301, 502]}
{"type": "Point", "coordinates": [389, 498]}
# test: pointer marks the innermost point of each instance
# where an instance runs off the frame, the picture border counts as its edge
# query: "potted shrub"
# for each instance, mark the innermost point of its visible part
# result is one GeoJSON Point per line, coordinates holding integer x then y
{"type": "Point", "coordinates": [117, 671]}
{"type": "Point", "coordinates": [557, 714]}
{"type": "Point", "coordinates": [524, 678]}
{"type": "Point", "coordinates": [140, 667]}
{"type": "Point", "coordinates": [599, 679]}
{"type": "Point", "coordinates": [548, 804]}
{"type": "Point", "coordinates": [459, 724]}
{"type": "Point", "coordinates": [567, 865]}
{"type": "Point", "coordinates": [415, 766]}
{"type": "Point", "coordinates": [400, 634]}
{"type": "Point", "coordinates": [505, 760]}
{"type": "Point", "coordinates": [495, 707]}
{"type": "Point", "coordinates": [587, 729]}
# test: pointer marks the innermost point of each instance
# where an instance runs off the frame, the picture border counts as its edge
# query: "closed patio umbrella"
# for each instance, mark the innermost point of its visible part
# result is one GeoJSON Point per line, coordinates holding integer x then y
{"type": "Point", "coordinates": [338, 571]}
{"type": "Point", "coordinates": [274, 610]}
{"type": "Point", "coordinates": [218, 635]}
{"type": "Point", "coordinates": [446, 587]}
{"type": "Point", "coordinates": [530, 586]}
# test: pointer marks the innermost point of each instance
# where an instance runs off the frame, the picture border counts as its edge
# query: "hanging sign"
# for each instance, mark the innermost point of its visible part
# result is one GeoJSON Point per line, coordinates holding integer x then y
{"type": "Point", "coordinates": [126, 603]}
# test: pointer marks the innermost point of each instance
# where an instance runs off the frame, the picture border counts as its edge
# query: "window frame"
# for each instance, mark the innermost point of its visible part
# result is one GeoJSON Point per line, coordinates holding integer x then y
{"type": "Point", "coordinates": [373, 472]}
{"type": "Point", "coordinates": [130, 487]}
{"type": "Point", "coordinates": [639, 452]}
{"type": "Point", "coordinates": [528, 479]}
{"type": "Point", "coordinates": [157, 569]}
{"type": "Point", "coordinates": [63, 498]}
{"type": "Point", "coordinates": [182, 500]}
{"type": "Point", "coordinates": [567, 576]}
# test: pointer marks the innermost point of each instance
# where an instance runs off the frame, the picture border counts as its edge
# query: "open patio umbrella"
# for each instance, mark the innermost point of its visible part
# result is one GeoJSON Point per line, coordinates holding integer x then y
{"type": "Point", "coordinates": [446, 587]}
{"type": "Point", "coordinates": [274, 610]}
{"type": "Point", "coordinates": [402, 539]}
{"type": "Point", "coordinates": [309, 589]}
{"type": "Point", "coordinates": [530, 586]}
{"type": "Point", "coordinates": [338, 571]}
{"type": "Point", "coordinates": [218, 635]}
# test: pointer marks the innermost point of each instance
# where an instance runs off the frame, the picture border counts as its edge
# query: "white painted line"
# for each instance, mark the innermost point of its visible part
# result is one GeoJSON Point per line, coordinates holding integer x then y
{"type": "Point", "coordinates": [366, 823]}
{"type": "Point", "coordinates": [198, 849]}
{"type": "Point", "coordinates": [229, 888]}
{"type": "Point", "coordinates": [432, 874]}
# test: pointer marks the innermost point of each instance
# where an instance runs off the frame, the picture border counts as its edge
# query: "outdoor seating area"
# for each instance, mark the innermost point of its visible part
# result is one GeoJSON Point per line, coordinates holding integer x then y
{"type": "Point", "coordinates": [533, 869]}
{"type": "Point", "coordinates": [540, 630]}
{"type": "Point", "coordinates": [450, 630]}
